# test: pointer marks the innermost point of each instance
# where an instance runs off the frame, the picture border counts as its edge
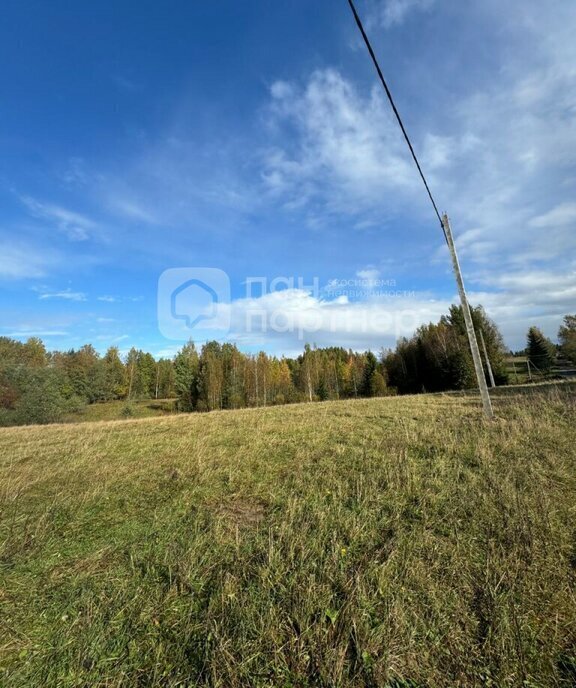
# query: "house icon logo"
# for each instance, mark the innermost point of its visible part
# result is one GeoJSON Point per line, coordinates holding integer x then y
{"type": "Point", "coordinates": [193, 302]}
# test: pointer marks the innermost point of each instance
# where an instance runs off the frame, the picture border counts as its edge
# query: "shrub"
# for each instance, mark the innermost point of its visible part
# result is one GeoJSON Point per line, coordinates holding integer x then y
{"type": "Point", "coordinates": [42, 400]}
{"type": "Point", "coordinates": [127, 411]}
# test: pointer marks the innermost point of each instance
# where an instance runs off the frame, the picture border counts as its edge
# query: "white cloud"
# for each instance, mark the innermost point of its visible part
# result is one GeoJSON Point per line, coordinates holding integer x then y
{"type": "Point", "coordinates": [20, 261]}
{"type": "Point", "coordinates": [536, 280]}
{"type": "Point", "coordinates": [369, 274]}
{"type": "Point", "coordinates": [128, 207]}
{"type": "Point", "coordinates": [118, 299]}
{"type": "Point", "coordinates": [282, 321]}
{"type": "Point", "coordinates": [75, 226]}
{"type": "Point", "coordinates": [524, 126]}
{"type": "Point", "coordinates": [347, 149]}
{"type": "Point", "coordinates": [182, 178]}
{"type": "Point", "coordinates": [75, 174]}
{"type": "Point", "coordinates": [560, 216]}
{"type": "Point", "coordinates": [36, 333]}
{"type": "Point", "coordinates": [281, 89]}
{"type": "Point", "coordinates": [500, 150]}
{"type": "Point", "coordinates": [66, 295]}
{"type": "Point", "coordinates": [394, 12]}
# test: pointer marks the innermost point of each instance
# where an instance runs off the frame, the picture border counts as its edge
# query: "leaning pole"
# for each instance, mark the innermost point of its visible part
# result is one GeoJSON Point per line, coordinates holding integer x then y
{"type": "Point", "coordinates": [482, 386]}
{"type": "Point", "coordinates": [486, 403]}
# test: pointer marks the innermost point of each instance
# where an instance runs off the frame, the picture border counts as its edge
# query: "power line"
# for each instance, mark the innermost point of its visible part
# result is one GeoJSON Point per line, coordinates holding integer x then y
{"type": "Point", "coordinates": [446, 230]}
{"type": "Point", "coordinates": [394, 108]}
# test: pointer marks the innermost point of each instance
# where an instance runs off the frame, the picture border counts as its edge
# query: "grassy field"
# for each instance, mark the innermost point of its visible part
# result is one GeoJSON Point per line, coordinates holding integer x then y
{"type": "Point", "coordinates": [105, 410]}
{"type": "Point", "coordinates": [392, 542]}
{"type": "Point", "coordinates": [121, 410]}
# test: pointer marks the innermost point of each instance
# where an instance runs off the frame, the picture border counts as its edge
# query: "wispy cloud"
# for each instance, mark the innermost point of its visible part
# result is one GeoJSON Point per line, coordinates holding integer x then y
{"type": "Point", "coordinates": [395, 12]}
{"type": "Point", "coordinates": [75, 226]}
{"type": "Point", "coordinates": [118, 299]}
{"type": "Point", "coordinates": [23, 261]}
{"type": "Point", "coordinates": [494, 128]}
{"type": "Point", "coordinates": [127, 207]}
{"type": "Point", "coordinates": [506, 168]}
{"type": "Point", "coordinates": [560, 216]}
{"type": "Point", "coordinates": [37, 333]}
{"type": "Point", "coordinates": [66, 295]}
{"type": "Point", "coordinates": [369, 273]}
{"type": "Point", "coordinates": [346, 150]}
{"type": "Point", "coordinates": [75, 173]}
{"type": "Point", "coordinates": [180, 178]}
{"type": "Point", "coordinates": [126, 84]}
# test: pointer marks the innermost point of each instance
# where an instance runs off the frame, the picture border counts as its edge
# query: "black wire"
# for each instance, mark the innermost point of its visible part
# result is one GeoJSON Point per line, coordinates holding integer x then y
{"type": "Point", "coordinates": [383, 80]}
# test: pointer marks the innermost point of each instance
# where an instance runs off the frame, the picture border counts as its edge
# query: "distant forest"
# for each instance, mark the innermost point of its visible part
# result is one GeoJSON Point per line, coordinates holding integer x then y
{"type": "Point", "coordinates": [37, 386]}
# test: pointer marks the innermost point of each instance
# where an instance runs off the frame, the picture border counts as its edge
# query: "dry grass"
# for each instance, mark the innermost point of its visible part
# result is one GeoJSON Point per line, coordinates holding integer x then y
{"type": "Point", "coordinates": [399, 542]}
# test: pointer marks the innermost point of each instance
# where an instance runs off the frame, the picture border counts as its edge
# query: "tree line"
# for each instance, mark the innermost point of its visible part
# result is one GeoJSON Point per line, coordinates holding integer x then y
{"type": "Point", "coordinates": [438, 358]}
{"type": "Point", "coordinates": [39, 386]}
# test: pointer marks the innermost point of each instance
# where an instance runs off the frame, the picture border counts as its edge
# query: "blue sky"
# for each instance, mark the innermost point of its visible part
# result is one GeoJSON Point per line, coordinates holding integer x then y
{"type": "Point", "coordinates": [252, 137]}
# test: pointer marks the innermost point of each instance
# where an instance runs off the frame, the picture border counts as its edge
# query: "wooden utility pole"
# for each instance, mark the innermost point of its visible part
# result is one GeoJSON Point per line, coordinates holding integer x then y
{"type": "Point", "coordinates": [131, 378]}
{"type": "Point", "coordinates": [482, 386]}
{"type": "Point", "coordinates": [488, 366]}
{"type": "Point", "coordinates": [445, 225]}
{"type": "Point", "coordinates": [515, 372]}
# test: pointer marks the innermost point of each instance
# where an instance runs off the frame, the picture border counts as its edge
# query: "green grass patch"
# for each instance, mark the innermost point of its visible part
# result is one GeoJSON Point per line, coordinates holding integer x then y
{"type": "Point", "coordinates": [122, 410]}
